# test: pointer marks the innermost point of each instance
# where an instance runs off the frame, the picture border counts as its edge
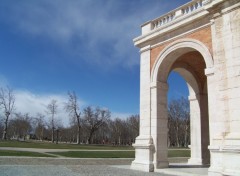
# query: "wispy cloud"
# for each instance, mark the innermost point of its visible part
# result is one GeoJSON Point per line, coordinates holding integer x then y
{"type": "Point", "coordinates": [28, 102]}
{"type": "Point", "coordinates": [120, 115]}
{"type": "Point", "coordinates": [32, 103]}
{"type": "Point", "coordinates": [98, 32]}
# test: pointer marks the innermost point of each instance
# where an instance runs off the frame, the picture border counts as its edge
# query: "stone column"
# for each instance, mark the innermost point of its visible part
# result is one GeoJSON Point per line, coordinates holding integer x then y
{"type": "Point", "coordinates": [159, 121]}
{"type": "Point", "coordinates": [144, 144]}
{"type": "Point", "coordinates": [195, 127]}
{"type": "Point", "coordinates": [204, 129]}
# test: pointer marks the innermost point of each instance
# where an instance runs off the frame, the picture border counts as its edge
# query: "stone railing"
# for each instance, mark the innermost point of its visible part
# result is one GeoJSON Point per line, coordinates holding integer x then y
{"type": "Point", "coordinates": [181, 11]}
{"type": "Point", "coordinates": [187, 9]}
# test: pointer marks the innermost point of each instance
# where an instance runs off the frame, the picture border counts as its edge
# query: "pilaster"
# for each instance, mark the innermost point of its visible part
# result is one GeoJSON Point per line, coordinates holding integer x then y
{"type": "Point", "coordinates": [195, 114]}
{"type": "Point", "coordinates": [144, 142]}
{"type": "Point", "coordinates": [159, 121]}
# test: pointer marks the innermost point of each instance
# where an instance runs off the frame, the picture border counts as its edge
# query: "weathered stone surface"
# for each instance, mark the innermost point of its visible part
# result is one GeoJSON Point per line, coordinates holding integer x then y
{"type": "Point", "coordinates": [201, 41]}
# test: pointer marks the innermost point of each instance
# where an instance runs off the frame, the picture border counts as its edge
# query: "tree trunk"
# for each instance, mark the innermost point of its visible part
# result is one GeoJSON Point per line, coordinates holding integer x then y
{"type": "Point", "coordinates": [78, 135]}
{"type": "Point", "coordinates": [90, 137]}
{"type": "Point", "coordinates": [52, 135]}
{"type": "Point", "coordinates": [177, 137]}
{"type": "Point", "coordinates": [4, 137]}
{"type": "Point", "coordinates": [41, 138]}
{"type": "Point", "coordinates": [57, 137]}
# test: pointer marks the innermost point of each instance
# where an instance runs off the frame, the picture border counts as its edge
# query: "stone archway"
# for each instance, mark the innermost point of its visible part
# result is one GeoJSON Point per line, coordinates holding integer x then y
{"type": "Point", "coordinates": [189, 58]}
{"type": "Point", "coordinates": [209, 28]}
{"type": "Point", "coordinates": [152, 142]}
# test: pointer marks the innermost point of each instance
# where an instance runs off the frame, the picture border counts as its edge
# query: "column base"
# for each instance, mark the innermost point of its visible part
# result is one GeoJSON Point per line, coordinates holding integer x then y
{"type": "Point", "coordinates": [162, 164]}
{"type": "Point", "coordinates": [143, 154]}
{"type": "Point", "coordinates": [224, 160]}
{"type": "Point", "coordinates": [146, 167]}
{"type": "Point", "coordinates": [232, 139]}
{"type": "Point", "coordinates": [195, 161]}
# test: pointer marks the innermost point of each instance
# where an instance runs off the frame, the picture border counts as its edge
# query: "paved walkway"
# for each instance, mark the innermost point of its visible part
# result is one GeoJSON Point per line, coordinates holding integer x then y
{"type": "Point", "coordinates": [31, 166]}
{"type": "Point", "coordinates": [39, 166]}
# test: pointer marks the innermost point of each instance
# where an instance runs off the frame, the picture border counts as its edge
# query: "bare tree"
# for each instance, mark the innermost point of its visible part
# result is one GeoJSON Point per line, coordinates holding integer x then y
{"type": "Point", "coordinates": [179, 122]}
{"type": "Point", "coordinates": [40, 126]}
{"type": "Point", "coordinates": [93, 119]}
{"type": "Point", "coordinates": [133, 123]}
{"type": "Point", "coordinates": [72, 107]}
{"type": "Point", "coordinates": [52, 110]}
{"type": "Point", "coordinates": [7, 103]}
{"type": "Point", "coordinates": [20, 126]}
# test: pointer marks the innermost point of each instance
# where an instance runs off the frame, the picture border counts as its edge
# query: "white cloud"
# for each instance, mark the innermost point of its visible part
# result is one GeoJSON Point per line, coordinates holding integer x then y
{"type": "Point", "coordinates": [120, 115]}
{"type": "Point", "coordinates": [28, 102]}
{"type": "Point", "coordinates": [99, 32]}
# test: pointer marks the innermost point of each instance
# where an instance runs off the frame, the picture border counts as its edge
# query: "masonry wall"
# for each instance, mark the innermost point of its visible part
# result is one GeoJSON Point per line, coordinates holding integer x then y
{"type": "Point", "coordinates": [203, 35]}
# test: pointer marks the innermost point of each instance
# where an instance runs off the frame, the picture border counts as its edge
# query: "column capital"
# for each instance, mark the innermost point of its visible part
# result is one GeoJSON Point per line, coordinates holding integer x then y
{"type": "Point", "coordinates": [146, 48]}
{"type": "Point", "coordinates": [159, 85]}
{"type": "Point", "coordinates": [209, 71]}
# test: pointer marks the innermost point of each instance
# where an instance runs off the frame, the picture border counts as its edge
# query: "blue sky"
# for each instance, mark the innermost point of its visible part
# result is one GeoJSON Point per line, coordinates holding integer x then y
{"type": "Point", "coordinates": [48, 48]}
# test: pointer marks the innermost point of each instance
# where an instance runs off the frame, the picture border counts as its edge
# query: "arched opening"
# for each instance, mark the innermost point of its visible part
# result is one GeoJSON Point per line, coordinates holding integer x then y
{"type": "Point", "coordinates": [178, 112]}
{"type": "Point", "coordinates": [189, 59]}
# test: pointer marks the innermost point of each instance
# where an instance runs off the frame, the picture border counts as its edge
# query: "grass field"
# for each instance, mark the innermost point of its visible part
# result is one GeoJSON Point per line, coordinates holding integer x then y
{"type": "Point", "coordinates": [115, 154]}
{"type": "Point", "coordinates": [22, 153]}
{"type": "Point", "coordinates": [96, 154]}
{"type": "Point", "coordinates": [174, 152]}
{"type": "Point", "coordinates": [49, 145]}
{"type": "Point", "coordinates": [90, 154]}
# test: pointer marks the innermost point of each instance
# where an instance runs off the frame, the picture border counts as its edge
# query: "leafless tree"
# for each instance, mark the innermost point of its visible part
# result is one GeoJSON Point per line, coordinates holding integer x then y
{"type": "Point", "coordinates": [73, 108]}
{"type": "Point", "coordinates": [117, 129]}
{"type": "Point", "coordinates": [20, 126]}
{"type": "Point", "coordinates": [40, 126]}
{"type": "Point", "coordinates": [94, 119]}
{"type": "Point", "coordinates": [133, 123]}
{"type": "Point", "coordinates": [179, 122]}
{"type": "Point", "coordinates": [7, 103]}
{"type": "Point", "coordinates": [52, 111]}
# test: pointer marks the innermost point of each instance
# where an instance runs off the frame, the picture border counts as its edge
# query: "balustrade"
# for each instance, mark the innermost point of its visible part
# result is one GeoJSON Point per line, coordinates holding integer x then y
{"type": "Point", "coordinates": [186, 9]}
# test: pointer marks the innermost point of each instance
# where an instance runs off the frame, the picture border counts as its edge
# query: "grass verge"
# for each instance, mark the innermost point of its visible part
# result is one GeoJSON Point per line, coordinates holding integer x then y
{"type": "Point", "coordinates": [48, 145]}
{"type": "Point", "coordinates": [179, 153]}
{"type": "Point", "coordinates": [115, 154]}
{"type": "Point", "coordinates": [96, 154]}
{"type": "Point", "coordinates": [22, 153]}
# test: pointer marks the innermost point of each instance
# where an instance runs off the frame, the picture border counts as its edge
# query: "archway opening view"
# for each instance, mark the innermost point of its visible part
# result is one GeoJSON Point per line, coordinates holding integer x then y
{"type": "Point", "coordinates": [178, 113]}
{"type": "Point", "coordinates": [188, 124]}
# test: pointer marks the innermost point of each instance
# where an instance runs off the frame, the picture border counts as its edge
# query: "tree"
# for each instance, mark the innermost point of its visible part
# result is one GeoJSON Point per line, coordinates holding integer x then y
{"type": "Point", "coordinates": [93, 119]}
{"type": "Point", "coordinates": [179, 122]}
{"type": "Point", "coordinates": [72, 107]}
{"type": "Point", "coordinates": [52, 110]}
{"type": "Point", "coordinates": [117, 129]}
{"type": "Point", "coordinates": [39, 126]}
{"type": "Point", "coordinates": [133, 123]}
{"type": "Point", "coordinates": [20, 126]}
{"type": "Point", "coordinates": [7, 103]}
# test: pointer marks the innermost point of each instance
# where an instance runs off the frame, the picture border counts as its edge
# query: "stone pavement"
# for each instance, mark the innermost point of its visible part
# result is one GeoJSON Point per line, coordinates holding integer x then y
{"type": "Point", "coordinates": [61, 166]}
{"type": "Point", "coordinates": [31, 166]}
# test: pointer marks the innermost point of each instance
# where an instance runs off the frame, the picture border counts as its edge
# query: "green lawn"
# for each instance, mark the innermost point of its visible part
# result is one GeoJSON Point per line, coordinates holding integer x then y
{"type": "Point", "coordinates": [115, 154]}
{"type": "Point", "coordinates": [174, 152]}
{"type": "Point", "coordinates": [49, 145]}
{"type": "Point", "coordinates": [22, 153]}
{"type": "Point", "coordinates": [178, 153]}
{"type": "Point", "coordinates": [96, 154]}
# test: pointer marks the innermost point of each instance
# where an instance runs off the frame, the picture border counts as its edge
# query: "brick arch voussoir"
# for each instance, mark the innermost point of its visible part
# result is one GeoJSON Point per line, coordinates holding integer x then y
{"type": "Point", "coordinates": [171, 52]}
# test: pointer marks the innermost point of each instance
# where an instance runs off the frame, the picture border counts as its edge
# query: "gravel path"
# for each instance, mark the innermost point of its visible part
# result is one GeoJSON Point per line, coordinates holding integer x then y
{"type": "Point", "coordinates": [41, 150]}
{"type": "Point", "coordinates": [31, 166]}
{"type": "Point", "coordinates": [45, 166]}
{"type": "Point", "coordinates": [62, 161]}
{"type": "Point", "coordinates": [62, 170]}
